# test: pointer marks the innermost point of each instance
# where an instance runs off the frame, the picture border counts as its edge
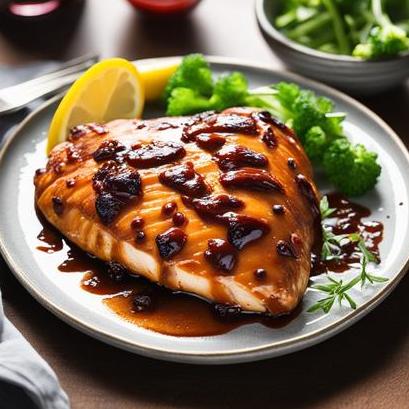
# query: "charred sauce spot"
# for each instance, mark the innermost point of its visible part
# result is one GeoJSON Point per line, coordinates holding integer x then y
{"type": "Point", "coordinates": [59, 168]}
{"type": "Point", "coordinates": [108, 150]}
{"type": "Point", "coordinates": [243, 230]}
{"type": "Point", "coordinates": [278, 209]}
{"type": "Point", "coordinates": [307, 191]}
{"type": "Point", "coordinates": [108, 207]}
{"type": "Point", "coordinates": [140, 236]}
{"type": "Point", "coordinates": [102, 173]}
{"type": "Point", "coordinates": [73, 155]}
{"type": "Point", "coordinates": [292, 163]}
{"type": "Point", "coordinates": [286, 248]}
{"type": "Point", "coordinates": [236, 156]}
{"type": "Point", "coordinates": [137, 223]}
{"type": "Point", "coordinates": [226, 311]}
{"type": "Point", "coordinates": [210, 142]}
{"type": "Point", "coordinates": [220, 123]}
{"type": "Point", "coordinates": [155, 154]}
{"type": "Point", "coordinates": [252, 179]}
{"type": "Point", "coordinates": [209, 207]}
{"type": "Point", "coordinates": [267, 118]}
{"type": "Point", "coordinates": [117, 180]}
{"type": "Point", "coordinates": [185, 179]}
{"type": "Point", "coordinates": [126, 183]}
{"type": "Point", "coordinates": [171, 242]}
{"type": "Point", "coordinates": [58, 205]}
{"type": "Point", "coordinates": [139, 125]}
{"type": "Point", "coordinates": [260, 274]}
{"type": "Point", "coordinates": [70, 182]}
{"type": "Point", "coordinates": [40, 172]}
{"type": "Point", "coordinates": [117, 272]}
{"type": "Point", "coordinates": [269, 137]}
{"type": "Point", "coordinates": [221, 255]}
{"type": "Point", "coordinates": [116, 187]}
{"type": "Point", "coordinates": [169, 208]}
{"type": "Point", "coordinates": [179, 219]}
{"type": "Point", "coordinates": [142, 302]}
{"type": "Point", "coordinates": [81, 130]}
{"type": "Point", "coordinates": [166, 125]}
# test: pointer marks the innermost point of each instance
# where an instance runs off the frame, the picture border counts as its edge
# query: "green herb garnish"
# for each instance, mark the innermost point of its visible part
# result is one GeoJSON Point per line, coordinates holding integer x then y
{"type": "Point", "coordinates": [331, 243]}
{"type": "Point", "coordinates": [338, 290]}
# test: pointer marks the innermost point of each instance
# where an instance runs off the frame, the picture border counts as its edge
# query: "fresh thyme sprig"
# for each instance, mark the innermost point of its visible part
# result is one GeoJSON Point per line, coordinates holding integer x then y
{"type": "Point", "coordinates": [331, 243]}
{"type": "Point", "coordinates": [325, 210]}
{"type": "Point", "coordinates": [337, 290]}
{"type": "Point", "coordinates": [367, 257]}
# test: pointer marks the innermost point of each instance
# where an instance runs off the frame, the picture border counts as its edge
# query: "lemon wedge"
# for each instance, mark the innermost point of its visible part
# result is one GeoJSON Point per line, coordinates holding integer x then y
{"type": "Point", "coordinates": [108, 90]}
{"type": "Point", "coordinates": [155, 76]}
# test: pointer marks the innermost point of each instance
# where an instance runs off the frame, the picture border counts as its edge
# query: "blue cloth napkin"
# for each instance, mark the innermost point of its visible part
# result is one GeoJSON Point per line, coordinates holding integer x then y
{"type": "Point", "coordinates": [26, 380]}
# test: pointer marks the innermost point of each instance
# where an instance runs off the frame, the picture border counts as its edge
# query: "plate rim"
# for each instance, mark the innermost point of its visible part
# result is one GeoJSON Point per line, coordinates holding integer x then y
{"type": "Point", "coordinates": [214, 357]}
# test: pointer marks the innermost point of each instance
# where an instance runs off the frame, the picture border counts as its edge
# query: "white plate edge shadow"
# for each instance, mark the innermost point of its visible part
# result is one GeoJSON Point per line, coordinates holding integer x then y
{"type": "Point", "coordinates": [236, 356]}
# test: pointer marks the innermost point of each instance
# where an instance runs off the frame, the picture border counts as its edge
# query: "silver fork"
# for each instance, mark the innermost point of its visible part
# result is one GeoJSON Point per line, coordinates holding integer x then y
{"type": "Point", "coordinates": [17, 96]}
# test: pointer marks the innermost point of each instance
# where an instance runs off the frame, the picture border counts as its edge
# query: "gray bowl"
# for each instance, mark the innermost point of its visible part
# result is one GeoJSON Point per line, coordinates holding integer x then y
{"type": "Point", "coordinates": [347, 73]}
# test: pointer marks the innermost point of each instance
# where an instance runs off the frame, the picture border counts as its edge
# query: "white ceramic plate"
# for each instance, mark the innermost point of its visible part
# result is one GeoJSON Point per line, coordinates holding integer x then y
{"type": "Point", "coordinates": [62, 295]}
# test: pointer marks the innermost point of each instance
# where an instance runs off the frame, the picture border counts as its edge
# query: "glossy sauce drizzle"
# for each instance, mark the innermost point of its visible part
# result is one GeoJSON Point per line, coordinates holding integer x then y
{"type": "Point", "coordinates": [346, 219]}
{"type": "Point", "coordinates": [179, 314]}
{"type": "Point", "coordinates": [170, 313]}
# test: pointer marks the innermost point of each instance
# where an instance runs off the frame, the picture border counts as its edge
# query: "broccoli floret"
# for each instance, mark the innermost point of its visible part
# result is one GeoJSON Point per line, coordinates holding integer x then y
{"type": "Point", "coordinates": [309, 115]}
{"type": "Point", "coordinates": [185, 101]}
{"type": "Point", "coordinates": [315, 143]}
{"type": "Point", "coordinates": [230, 90]}
{"type": "Point", "coordinates": [384, 41]}
{"type": "Point", "coordinates": [309, 111]}
{"type": "Point", "coordinates": [287, 94]}
{"type": "Point", "coordinates": [191, 88]}
{"type": "Point", "coordinates": [351, 168]}
{"type": "Point", "coordinates": [193, 73]}
{"type": "Point", "coordinates": [333, 124]}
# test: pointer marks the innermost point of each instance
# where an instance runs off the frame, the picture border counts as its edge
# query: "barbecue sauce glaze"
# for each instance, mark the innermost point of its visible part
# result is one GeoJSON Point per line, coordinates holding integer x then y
{"type": "Point", "coordinates": [169, 313]}
{"type": "Point", "coordinates": [243, 171]}
{"type": "Point", "coordinates": [179, 314]}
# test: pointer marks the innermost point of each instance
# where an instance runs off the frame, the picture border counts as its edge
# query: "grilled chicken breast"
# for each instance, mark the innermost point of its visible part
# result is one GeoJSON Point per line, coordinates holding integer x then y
{"type": "Point", "coordinates": [222, 206]}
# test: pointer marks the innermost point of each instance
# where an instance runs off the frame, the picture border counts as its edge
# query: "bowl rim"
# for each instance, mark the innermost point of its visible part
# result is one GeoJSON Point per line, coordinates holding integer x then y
{"type": "Point", "coordinates": [277, 36]}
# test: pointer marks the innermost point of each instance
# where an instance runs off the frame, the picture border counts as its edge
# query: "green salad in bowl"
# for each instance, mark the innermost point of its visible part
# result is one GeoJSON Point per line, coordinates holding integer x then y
{"type": "Point", "coordinates": [359, 46]}
{"type": "Point", "coordinates": [367, 29]}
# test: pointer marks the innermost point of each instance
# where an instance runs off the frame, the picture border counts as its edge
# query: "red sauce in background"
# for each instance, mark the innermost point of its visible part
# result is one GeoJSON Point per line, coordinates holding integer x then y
{"type": "Point", "coordinates": [164, 6]}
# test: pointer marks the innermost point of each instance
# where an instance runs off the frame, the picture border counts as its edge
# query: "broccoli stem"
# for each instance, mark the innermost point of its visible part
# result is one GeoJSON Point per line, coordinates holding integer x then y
{"type": "Point", "coordinates": [342, 39]}
{"type": "Point", "coordinates": [381, 18]}
{"type": "Point", "coordinates": [286, 19]}
{"type": "Point", "coordinates": [310, 25]}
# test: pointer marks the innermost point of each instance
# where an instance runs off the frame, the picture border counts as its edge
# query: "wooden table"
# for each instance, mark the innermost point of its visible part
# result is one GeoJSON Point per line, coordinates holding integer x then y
{"type": "Point", "coordinates": [366, 366]}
